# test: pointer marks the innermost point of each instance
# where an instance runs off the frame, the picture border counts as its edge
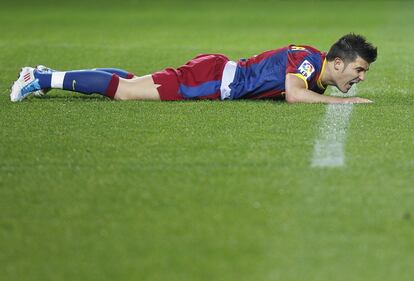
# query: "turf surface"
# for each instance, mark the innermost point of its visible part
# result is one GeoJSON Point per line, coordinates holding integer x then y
{"type": "Point", "coordinates": [92, 189]}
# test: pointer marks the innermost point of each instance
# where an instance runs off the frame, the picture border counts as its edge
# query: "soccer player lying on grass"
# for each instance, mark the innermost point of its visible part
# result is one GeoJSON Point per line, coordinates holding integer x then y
{"type": "Point", "coordinates": [293, 73]}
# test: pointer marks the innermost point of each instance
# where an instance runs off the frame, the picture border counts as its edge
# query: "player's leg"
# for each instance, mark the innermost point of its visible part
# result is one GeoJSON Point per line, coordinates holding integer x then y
{"type": "Point", "coordinates": [32, 80]}
{"type": "Point", "coordinates": [120, 72]}
{"type": "Point", "coordinates": [197, 79]}
{"type": "Point", "coordinates": [138, 88]}
{"type": "Point", "coordinates": [84, 81]}
{"type": "Point", "coordinates": [200, 78]}
{"type": "Point", "coordinates": [113, 83]}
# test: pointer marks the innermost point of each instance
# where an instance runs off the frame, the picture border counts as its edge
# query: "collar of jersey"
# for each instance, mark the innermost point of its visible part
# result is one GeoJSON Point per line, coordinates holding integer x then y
{"type": "Point", "coordinates": [319, 82]}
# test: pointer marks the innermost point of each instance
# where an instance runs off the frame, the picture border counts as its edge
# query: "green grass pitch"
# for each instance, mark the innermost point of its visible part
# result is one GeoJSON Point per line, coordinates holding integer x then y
{"type": "Point", "coordinates": [92, 189]}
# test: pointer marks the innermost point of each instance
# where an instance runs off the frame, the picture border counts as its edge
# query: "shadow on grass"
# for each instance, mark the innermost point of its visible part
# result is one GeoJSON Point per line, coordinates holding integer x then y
{"type": "Point", "coordinates": [87, 98]}
{"type": "Point", "coordinates": [98, 98]}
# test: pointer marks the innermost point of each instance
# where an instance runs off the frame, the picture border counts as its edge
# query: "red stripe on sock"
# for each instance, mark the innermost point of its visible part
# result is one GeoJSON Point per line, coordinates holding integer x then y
{"type": "Point", "coordinates": [112, 87]}
{"type": "Point", "coordinates": [130, 75]}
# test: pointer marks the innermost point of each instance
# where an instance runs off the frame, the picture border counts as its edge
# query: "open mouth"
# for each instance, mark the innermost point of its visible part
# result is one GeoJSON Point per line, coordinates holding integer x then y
{"type": "Point", "coordinates": [351, 83]}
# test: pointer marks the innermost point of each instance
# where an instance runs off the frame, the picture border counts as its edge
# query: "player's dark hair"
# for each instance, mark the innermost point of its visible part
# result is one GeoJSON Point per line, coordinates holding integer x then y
{"type": "Point", "coordinates": [350, 46]}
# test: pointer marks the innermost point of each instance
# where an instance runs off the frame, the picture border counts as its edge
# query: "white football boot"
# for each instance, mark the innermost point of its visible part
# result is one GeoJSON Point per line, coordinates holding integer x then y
{"type": "Point", "coordinates": [25, 85]}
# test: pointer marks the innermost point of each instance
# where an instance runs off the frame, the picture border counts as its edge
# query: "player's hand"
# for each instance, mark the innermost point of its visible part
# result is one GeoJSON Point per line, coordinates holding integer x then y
{"type": "Point", "coordinates": [357, 100]}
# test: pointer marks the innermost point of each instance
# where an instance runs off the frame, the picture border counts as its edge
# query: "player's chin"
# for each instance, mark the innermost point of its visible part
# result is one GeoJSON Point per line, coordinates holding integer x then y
{"type": "Point", "coordinates": [343, 89]}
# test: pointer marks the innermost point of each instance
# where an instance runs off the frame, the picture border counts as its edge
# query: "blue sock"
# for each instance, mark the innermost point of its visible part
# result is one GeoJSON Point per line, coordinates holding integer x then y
{"type": "Point", "coordinates": [121, 73]}
{"type": "Point", "coordinates": [45, 78]}
{"type": "Point", "coordinates": [83, 81]}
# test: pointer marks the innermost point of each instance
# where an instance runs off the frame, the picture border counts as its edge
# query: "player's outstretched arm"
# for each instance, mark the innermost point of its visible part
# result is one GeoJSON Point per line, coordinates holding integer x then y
{"type": "Point", "coordinates": [296, 92]}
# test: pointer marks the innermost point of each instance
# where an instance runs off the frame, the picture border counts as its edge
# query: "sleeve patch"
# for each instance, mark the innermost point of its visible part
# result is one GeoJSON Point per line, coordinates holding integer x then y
{"type": "Point", "coordinates": [306, 69]}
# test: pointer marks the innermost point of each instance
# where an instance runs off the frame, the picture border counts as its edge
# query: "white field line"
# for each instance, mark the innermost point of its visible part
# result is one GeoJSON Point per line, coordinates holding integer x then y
{"type": "Point", "coordinates": [329, 148]}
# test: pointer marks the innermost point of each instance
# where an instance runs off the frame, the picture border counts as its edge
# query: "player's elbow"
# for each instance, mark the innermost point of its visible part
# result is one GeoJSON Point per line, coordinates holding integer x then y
{"type": "Point", "coordinates": [291, 97]}
{"type": "Point", "coordinates": [294, 89]}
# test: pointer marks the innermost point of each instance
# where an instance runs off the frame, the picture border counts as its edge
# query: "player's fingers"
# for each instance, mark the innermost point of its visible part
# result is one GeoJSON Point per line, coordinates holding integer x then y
{"type": "Point", "coordinates": [366, 100]}
{"type": "Point", "coordinates": [360, 100]}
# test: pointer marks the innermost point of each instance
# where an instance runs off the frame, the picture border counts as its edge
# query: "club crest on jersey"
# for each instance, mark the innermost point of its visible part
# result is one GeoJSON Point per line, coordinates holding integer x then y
{"type": "Point", "coordinates": [306, 69]}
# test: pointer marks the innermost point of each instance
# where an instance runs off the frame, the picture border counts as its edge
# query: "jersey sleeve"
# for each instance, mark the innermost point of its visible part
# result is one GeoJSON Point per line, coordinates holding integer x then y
{"type": "Point", "coordinates": [302, 64]}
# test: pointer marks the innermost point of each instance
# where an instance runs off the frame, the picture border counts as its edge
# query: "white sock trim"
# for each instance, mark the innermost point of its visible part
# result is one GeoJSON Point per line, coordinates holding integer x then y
{"type": "Point", "coordinates": [57, 79]}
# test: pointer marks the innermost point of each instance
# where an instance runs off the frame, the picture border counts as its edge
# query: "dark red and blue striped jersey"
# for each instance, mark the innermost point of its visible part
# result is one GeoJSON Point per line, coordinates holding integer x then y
{"type": "Point", "coordinates": [263, 76]}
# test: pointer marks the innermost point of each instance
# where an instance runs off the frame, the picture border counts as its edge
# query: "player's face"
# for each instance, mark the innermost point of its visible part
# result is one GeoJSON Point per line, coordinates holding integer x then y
{"type": "Point", "coordinates": [350, 73]}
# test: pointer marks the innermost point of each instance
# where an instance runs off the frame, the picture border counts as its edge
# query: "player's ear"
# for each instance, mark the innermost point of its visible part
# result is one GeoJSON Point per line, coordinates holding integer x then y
{"type": "Point", "coordinates": [339, 64]}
